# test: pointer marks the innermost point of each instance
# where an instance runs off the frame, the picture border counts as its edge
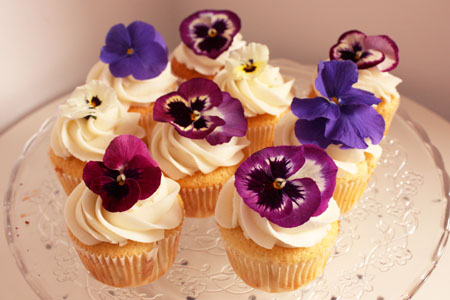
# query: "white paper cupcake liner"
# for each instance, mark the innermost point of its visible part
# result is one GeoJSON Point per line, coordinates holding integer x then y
{"type": "Point", "coordinates": [68, 182]}
{"type": "Point", "coordinates": [200, 202]}
{"type": "Point", "coordinates": [260, 138]}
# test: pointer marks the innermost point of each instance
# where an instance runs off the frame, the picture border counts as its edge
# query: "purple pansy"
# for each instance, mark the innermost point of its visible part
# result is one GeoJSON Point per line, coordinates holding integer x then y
{"type": "Point", "coordinates": [199, 109]}
{"type": "Point", "coordinates": [343, 115]}
{"type": "Point", "coordinates": [137, 50]}
{"type": "Point", "coordinates": [210, 32]}
{"type": "Point", "coordinates": [366, 51]}
{"type": "Point", "coordinates": [287, 184]}
{"type": "Point", "coordinates": [127, 174]}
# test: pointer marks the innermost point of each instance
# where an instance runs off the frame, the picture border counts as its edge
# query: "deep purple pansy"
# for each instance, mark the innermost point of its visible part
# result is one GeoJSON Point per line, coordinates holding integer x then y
{"type": "Point", "coordinates": [137, 50]}
{"type": "Point", "coordinates": [210, 32]}
{"type": "Point", "coordinates": [343, 115]}
{"type": "Point", "coordinates": [127, 174]}
{"type": "Point", "coordinates": [287, 184]}
{"type": "Point", "coordinates": [199, 109]}
{"type": "Point", "coordinates": [366, 51]}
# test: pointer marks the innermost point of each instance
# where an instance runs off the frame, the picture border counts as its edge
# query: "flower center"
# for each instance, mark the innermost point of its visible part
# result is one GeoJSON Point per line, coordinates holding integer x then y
{"type": "Point", "coordinates": [212, 32]}
{"type": "Point", "coordinates": [335, 100]}
{"type": "Point", "coordinates": [121, 179]}
{"type": "Point", "coordinates": [95, 101]}
{"type": "Point", "coordinates": [279, 183]}
{"type": "Point", "coordinates": [250, 66]}
{"type": "Point", "coordinates": [358, 55]}
{"type": "Point", "coordinates": [130, 51]}
{"type": "Point", "coordinates": [195, 115]}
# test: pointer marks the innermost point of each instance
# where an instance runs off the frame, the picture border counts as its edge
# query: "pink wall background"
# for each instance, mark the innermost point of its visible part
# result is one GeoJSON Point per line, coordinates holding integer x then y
{"type": "Point", "coordinates": [48, 46]}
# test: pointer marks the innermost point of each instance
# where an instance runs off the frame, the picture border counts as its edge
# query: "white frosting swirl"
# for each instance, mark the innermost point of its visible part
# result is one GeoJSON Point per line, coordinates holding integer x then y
{"type": "Point", "coordinates": [381, 84]}
{"type": "Point", "coordinates": [132, 91]}
{"type": "Point", "coordinates": [145, 222]}
{"type": "Point", "coordinates": [87, 138]}
{"type": "Point", "coordinates": [346, 159]}
{"type": "Point", "coordinates": [179, 156]}
{"type": "Point", "coordinates": [268, 93]}
{"type": "Point", "coordinates": [231, 212]}
{"type": "Point", "coordinates": [203, 64]}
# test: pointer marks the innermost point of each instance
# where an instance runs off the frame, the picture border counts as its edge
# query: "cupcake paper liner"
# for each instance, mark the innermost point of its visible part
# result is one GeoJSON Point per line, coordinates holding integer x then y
{"type": "Point", "coordinates": [260, 137]}
{"type": "Point", "coordinates": [129, 271]}
{"type": "Point", "coordinates": [388, 110]}
{"type": "Point", "coordinates": [68, 182]}
{"type": "Point", "coordinates": [200, 202]}
{"type": "Point", "coordinates": [275, 277]}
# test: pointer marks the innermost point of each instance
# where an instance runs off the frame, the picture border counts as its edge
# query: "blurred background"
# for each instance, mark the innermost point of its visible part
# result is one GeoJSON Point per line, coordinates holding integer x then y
{"type": "Point", "coordinates": [48, 46]}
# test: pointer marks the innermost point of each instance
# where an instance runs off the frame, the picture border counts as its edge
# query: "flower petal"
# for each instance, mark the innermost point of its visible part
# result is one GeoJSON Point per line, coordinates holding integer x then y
{"type": "Point", "coordinates": [357, 96]}
{"type": "Point", "coordinates": [146, 173]}
{"type": "Point", "coordinates": [347, 41]}
{"type": "Point", "coordinates": [96, 172]}
{"type": "Point", "coordinates": [356, 123]}
{"type": "Point", "coordinates": [117, 43]}
{"type": "Point", "coordinates": [203, 89]}
{"type": "Point", "coordinates": [312, 132]}
{"type": "Point", "coordinates": [232, 113]}
{"type": "Point", "coordinates": [118, 198]}
{"type": "Point", "coordinates": [153, 59]}
{"type": "Point", "coordinates": [310, 109]}
{"type": "Point", "coordinates": [335, 78]}
{"type": "Point", "coordinates": [386, 45]}
{"type": "Point", "coordinates": [122, 149]}
{"type": "Point", "coordinates": [369, 59]}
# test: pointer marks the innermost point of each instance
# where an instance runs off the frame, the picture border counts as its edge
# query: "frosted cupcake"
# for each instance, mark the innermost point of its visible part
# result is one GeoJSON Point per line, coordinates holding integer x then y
{"type": "Point", "coordinates": [343, 122]}
{"type": "Point", "coordinates": [207, 37]}
{"type": "Point", "coordinates": [134, 61]}
{"type": "Point", "coordinates": [375, 56]}
{"type": "Point", "coordinates": [125, 218]}
{"type": "Point", "coordinates": [87, 122]}
{"type": "Point", "coordinates": [262, 90]}
{"type": "Point", "coordinates": [199, 141]}
{"type": "Point", "coordinates": [277, 218]}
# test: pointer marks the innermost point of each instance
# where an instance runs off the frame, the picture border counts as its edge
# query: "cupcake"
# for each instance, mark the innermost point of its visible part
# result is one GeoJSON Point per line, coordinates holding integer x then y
{"type": "Point", "coordinates": [134, 62]}
{"type": "Point", "coordinates": [375, 56]}
{"type": "Point", "coordinates": [344, 123]}
{"type": "Point", "coordinates": [198, 141]}
{"type": "Point", "coordinates": [262, 90]}
{"type": "Point", "coordinates": [277, 217]}
{"type": "Point", "coordinates": [125, 217]}
{"type": "Point", "coordinates": [207, 38]}
{"type": "Point", "coordinates": [87, 122]}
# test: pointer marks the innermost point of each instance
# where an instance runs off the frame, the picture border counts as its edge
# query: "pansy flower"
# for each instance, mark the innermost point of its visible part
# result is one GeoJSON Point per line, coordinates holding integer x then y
{"type": "Point", "coordinates": [248, 62]}
{"type": "Point", "coordinates": [137, 50]}
{"type": "Point", "coordinates": [127, 174]}
{"type": "Point", "coordinates": [287, 184]}
{"type": "Point", "coordinates": [343, 115]}
{"type": "Point", "coordinates": [366, 51]}
{"type": "Point", "coordinates": [210, 32]}
{"type": "Point", "coordinates": [89, 100]}
{"type": "Point", "coordinates": [199, 109]}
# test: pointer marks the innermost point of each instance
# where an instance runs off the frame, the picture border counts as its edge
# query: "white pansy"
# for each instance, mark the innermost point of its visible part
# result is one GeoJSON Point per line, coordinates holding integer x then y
{"type": "Point", "coordinates": [248, 62]}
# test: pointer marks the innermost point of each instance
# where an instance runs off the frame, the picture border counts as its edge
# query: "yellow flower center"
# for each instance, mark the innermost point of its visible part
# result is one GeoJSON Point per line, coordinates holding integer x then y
{"type": "Point", "coordinates": [358, 54]}
{"type": "Point", "coordinates": [195, 115]}
{"type": "Point", "coordinates": [130, 51]}
{"type": "Point", "coordinates": [121, 179]}
{"type": "Point", "coordinates": [212, 32]}
{"type": "Point", "coordinates": [279, 183]}
{"type": "Point", "coordinates": [250, 66]}
{"type": "Point", "coordinates": [95, 101]}
{"type": "Point", "coordinates": [335, 100]}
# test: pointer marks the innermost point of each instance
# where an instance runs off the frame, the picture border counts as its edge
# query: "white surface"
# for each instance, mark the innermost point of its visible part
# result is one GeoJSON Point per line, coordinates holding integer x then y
{"type": "Point", "coordinates": [48, 46]}
{"type": "Point", "coordinates": [13, 285]}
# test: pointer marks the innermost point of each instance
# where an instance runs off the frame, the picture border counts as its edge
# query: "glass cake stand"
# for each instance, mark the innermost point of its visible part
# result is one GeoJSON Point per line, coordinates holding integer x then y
{"type": "Point", "coordinates": [393, 237]}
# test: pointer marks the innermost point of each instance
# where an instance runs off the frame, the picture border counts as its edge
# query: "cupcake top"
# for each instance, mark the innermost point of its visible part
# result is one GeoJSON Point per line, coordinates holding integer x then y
{"type": "Point", "coordinates": [374, 56]}
{"type": "Point", "coordinates": [281, 196]}
{"type": "Point", "coordinates": [207, 38]}
{"type": "Point", "coordinates": [123, 198]}
{"type": "Point", "coordinates": [134, 61]}
{"type": "Point", "coordinates": [260, 87]}
{"type": "Point", "coordinates": [201, 129]}
{"type": "Point", "coordinates": [89, 120]}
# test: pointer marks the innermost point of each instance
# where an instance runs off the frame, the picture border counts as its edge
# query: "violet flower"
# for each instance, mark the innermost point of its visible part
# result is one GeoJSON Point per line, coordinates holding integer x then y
{"type": "Point", "coordinates": [287, 184]}
{"type": "Point", "coordinates": [366, 51]}
{"type": "Point", "coordinates": [210, 32]}
{"type": "Point", "coordinates": [127, 174]}
{"type": "Point", "coordinates": [137, 50]}
{"type": "Point", "coordinates": [199, 109]}
{"type": "Point", "coordinates": [343, 115]}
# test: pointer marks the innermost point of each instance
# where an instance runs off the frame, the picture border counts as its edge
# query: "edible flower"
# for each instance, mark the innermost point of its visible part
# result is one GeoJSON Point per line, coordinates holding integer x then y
{"type": "Point", "coordinates": [199, 109]}
{"type": "Point", "coordinates": [366, 51]}
{"type": "Point", "coordinates": [89, 101]}
{"type": "Point", "coordinates": [343, 115]}
{"type": "Point", "coordinates": [287, 184]}
{"type": "Point", "coordinates": [127, 174]}
{"type": "Point", "coordinates": [248, 62]}
{"type": "Point", "coordinates": [210, 32]}
{"type": "Point", "coordinates": [137, 50]}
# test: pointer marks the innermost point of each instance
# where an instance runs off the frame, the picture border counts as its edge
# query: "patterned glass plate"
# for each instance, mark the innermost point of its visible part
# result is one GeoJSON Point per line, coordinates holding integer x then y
{"type": "Point", "coordinates": [388, 244]}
